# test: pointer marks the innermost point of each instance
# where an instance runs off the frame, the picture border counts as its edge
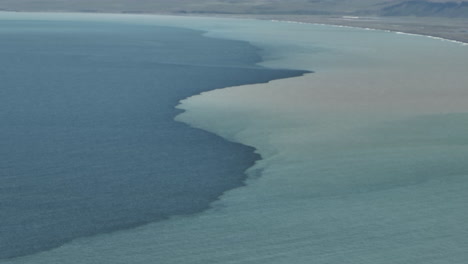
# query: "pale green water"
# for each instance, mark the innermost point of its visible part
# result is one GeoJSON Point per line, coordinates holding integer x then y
{"type": "Point", "coordinates": [364, 161]}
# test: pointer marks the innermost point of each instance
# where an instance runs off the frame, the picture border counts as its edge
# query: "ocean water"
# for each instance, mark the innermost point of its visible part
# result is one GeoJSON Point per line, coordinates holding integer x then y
{"type": "Point", "coordinates": [363, 161]}
{"type": "Point", "coordinates": [88, 143]}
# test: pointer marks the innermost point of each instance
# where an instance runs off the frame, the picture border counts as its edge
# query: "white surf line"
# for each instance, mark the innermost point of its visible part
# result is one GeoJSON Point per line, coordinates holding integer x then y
{"type": "Point", "coordinates": [272, 20]}
{"type": "Point", "coordinates": [374, 29]}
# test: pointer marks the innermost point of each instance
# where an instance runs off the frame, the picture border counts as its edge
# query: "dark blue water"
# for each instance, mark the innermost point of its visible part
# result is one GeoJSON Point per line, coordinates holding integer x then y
{"type": "Point", "coordinates": [87, 138]}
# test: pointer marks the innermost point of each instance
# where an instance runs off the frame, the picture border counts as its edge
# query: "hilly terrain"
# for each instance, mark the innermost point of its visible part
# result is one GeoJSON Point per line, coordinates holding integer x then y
{"type": "Point", "coordinates": [426, 8]}
{"type": "Point", "coordinates": [298, 7]}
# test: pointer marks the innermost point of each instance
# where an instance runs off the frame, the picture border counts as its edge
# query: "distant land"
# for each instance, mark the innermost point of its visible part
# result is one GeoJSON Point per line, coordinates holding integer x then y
{"type": "Point", "coordinates": [312, 7]}
{"type": "Point", "coordinates": [425, 8]}
{"type": "Point", "coordinates": [440, 18]}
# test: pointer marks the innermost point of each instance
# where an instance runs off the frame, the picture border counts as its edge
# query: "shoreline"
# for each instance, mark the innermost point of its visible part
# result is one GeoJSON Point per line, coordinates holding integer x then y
{"type": "Point", "coordinates": [434, 27]}
{"type": "Point", "coordinates": [278, 140]}
{"type": "Point", "coordinates": [333, 186]}
{"type": "Point", "coordinates": [450, 29]}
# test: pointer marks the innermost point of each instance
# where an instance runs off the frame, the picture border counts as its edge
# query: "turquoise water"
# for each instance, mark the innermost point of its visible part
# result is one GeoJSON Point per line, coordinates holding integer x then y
{"type": "Point", "coordinates": [87, 139]}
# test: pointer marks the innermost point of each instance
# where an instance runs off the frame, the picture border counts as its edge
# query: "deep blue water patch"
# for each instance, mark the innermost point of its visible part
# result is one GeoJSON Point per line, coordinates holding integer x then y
{"type": "Point", "coordinates": [88, 143]}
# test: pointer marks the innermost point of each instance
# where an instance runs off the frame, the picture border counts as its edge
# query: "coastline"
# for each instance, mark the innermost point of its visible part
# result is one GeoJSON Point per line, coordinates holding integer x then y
{"type": "Point", "coordinates": [323, 151]}
{"type": "Point", "coordinates": [443, 28]}
{"type": "Point", "coordinates": [452, 29]}
{"type": "Point", "coordinates": [325, 195]}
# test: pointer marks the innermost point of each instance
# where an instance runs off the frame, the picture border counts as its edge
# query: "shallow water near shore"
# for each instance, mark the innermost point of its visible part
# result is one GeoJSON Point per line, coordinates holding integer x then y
{"type": "Point", "coordinates": [363, 161]}
{"type": "Point", "coordinates": [88, 141]}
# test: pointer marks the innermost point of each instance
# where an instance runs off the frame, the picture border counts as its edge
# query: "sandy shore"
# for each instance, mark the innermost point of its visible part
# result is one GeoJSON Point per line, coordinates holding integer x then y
{"type": "Point", "coordinates": [447, 28]}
